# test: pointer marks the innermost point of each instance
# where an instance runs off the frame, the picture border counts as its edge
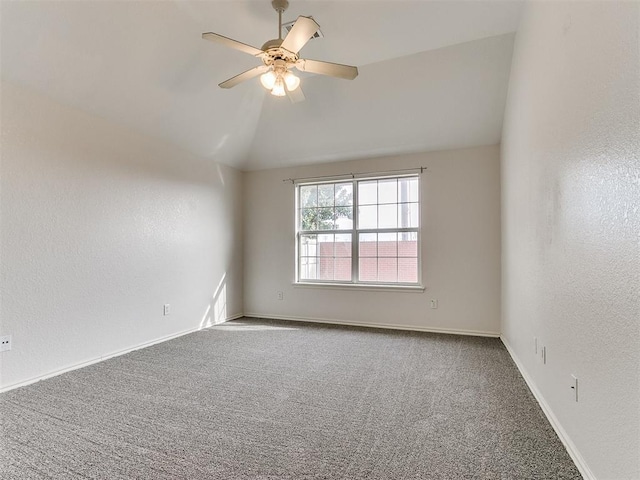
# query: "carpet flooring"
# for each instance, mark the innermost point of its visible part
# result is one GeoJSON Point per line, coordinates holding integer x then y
{"type": "Point", "coordinates": [260, 399]}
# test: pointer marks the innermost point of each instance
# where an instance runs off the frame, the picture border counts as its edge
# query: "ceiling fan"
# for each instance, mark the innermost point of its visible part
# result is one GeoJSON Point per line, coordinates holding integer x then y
{"type": "Point", "coordinates": [279, 56]}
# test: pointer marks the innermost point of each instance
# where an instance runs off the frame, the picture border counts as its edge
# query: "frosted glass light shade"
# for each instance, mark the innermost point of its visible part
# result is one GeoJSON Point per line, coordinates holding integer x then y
{"type": "Point", "coordinates": [278, 88]}
{"type": "Point", "coordinates": [268, 79]}
{"type": "Point", "coordinates": [291, 81]}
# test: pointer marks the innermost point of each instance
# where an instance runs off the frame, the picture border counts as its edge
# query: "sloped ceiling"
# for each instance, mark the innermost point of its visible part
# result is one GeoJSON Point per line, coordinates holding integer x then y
{"type": "Point", "coordinates": [433, 75]}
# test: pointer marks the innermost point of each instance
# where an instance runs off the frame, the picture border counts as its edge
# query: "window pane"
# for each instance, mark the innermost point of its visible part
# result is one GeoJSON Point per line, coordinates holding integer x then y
{"type": "Point", "coordinates": [368, 270]}
{"type": "Point", "coordinates": [408, 244]}
{"type": "Point", "coordinates": [326, 268]}
{"type": "Point", "coordinates": [309, 219]}
{"type": "Point", "coordinates": [388, 216]}
{"type": "Point", "coordinates": [308, 268]}
{"type": "Point", "coordinates": [343, 246]}
{"type": "Point", "coordinates": [368, 192]}
{"type": "Point", "coordinates": [325, 195]}
{"type": "Point", "coordinates": [387, 269]}
{"type": "Point", "coordinates": [408, 270]}
{"type": "Point", "coordinates": [387, 244]}
{"type": "Point", "coordinates": [325, 245]}
{"type": "Point", "coordinates": [368, 217]}
{"type": "Point", "coordinates": [368, 246]}
{"type": "Point", "coordinates": [325, 218]}
{"type": "Point", "coordinates": [408, 215]}
{"type": "Point", "coordinates": [344, 194]}
{"type": "Point", "coordinates": [388, 191]}
{"type": "Point", "coordinates": [344, 217]}
{"type": "Point", "coordinates": [308, 245]}
{"type": "Point", "coordinates": [408, 189]}
{"type": "Point", "coordinates": [309, 196]}
{"type": "Point", "coordinates": [342, 269]}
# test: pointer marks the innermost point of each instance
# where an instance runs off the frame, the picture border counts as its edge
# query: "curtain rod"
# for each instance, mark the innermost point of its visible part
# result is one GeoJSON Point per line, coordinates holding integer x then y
{"type": "Point", "coordinates": [354, 175]}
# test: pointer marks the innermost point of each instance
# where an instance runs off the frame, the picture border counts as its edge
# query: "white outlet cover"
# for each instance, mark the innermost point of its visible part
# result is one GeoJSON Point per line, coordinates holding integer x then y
{"type": "Point", "coordinates": [574, 386]}
{"type": "Point", "coordinates": [5, 343]}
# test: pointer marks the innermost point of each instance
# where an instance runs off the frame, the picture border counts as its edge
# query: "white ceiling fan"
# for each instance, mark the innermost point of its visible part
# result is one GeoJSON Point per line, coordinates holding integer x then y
{"type": "Point", "coordinates": [279, 56]}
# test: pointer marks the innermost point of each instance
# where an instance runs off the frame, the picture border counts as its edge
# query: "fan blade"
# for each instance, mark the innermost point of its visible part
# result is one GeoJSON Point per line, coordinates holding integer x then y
{"type": "Point", "coordinates": [296, 96]}
{"type": "Point", "coordinates": [300, 34]}
{"type": "Point", "coordinates": [254, 72]}
{"type": "Point", "coordinates": [229, 42]}
{"type": "Point", "coordinates": [326, 68]}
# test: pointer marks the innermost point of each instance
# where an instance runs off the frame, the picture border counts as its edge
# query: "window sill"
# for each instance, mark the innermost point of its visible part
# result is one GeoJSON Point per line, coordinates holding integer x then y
{"type": "Point", "coordinates": [362, 287]}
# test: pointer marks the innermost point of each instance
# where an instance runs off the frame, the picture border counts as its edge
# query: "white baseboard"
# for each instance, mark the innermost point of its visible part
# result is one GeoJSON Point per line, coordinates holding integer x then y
{"type": "Point", "coordinates": [107, 356]}
{"type": "Point", "coordinates": [575, 455]}
{"type": "Point", "coordinates": [475, 333]}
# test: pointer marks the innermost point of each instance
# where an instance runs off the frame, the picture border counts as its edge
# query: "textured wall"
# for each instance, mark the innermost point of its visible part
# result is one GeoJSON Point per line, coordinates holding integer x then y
{"type": "Point", "coordinates": [571, 221]}
{"type": "Point", "coordinates": [460, 246]}
{"type": "Point", "coordinates": [100, 228]}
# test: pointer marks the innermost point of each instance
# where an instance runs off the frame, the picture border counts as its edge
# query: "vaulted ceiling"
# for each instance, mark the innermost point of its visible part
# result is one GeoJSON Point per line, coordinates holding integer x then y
{"type": "Point", "coordinates": [433, 75]}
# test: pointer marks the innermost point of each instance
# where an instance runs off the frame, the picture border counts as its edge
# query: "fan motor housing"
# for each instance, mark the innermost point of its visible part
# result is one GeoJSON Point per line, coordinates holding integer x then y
{"type": "Point", "coordinates": [274, 52]}
{"type": "Point", "coordinates": [272, 44]}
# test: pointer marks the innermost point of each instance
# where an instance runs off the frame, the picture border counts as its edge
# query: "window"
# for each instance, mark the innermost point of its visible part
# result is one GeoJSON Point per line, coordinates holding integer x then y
{"type": "Point", "coordinates": [359, 231]}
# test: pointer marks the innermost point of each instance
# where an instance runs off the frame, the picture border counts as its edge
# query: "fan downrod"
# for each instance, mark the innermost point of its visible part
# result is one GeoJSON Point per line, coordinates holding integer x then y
{"type": "Point", "coordinates": [272, 47]}
{"type": "Point", "coordinates": [280, 6]}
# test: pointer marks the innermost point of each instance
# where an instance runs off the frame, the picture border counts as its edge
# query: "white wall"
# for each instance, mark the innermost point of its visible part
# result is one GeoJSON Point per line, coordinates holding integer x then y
{"type": "Point", "coordinates": [100, 227]}
{"type": "Point", "coordinates": [571, 220]}
{"type": "Point", "coordinates": [460, 247]}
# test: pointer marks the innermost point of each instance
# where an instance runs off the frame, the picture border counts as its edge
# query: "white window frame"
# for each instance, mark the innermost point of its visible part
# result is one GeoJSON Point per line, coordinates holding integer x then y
{"type": "Point", "coordinates": [354, 232]}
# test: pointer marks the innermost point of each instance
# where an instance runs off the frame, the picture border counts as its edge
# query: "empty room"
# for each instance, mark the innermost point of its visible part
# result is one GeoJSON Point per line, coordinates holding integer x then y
{"type": "Point", "coordinates": [315, 239]}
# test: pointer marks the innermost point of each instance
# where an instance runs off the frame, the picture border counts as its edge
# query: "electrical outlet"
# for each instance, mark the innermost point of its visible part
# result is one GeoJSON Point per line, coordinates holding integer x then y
{"type": "Point", "coordinates": [5, 343]}
{"type": "Point", "coordinates": [574, 386]}
{"type": "Point", "coordinates": [434, 303]}
{"type": "Point", "coordinates": [167, 309]}
{"type": "Point", "coordinates": [280, 295]}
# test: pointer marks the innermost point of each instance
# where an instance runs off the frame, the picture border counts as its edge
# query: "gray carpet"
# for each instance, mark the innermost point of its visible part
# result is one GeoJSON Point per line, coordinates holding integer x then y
{"type": "Point", "coordinates": [263, 399]}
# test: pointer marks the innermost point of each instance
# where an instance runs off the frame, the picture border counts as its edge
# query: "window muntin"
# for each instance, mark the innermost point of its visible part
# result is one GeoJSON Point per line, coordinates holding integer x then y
{"type": "Point", "coordinates": [359, 231]}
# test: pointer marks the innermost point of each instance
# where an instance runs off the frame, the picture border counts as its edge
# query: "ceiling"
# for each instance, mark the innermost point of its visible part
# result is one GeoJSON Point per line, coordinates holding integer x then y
{"type": "Point", "coordinates": [433, 75]}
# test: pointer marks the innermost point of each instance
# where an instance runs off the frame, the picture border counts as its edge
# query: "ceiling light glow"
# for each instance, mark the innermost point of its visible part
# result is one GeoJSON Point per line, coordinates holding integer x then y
{"type": "Point", "coordinates": [278, 88]}
{"type": "Point", "coordinates": [268, 79]}
{"type": "Point", "coordinates": [291, 81]}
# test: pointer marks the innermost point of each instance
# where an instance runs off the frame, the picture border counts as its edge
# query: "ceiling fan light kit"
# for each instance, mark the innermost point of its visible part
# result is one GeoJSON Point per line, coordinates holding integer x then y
{"type": "Point", "coordinates": [277, 77]}
{"type": "Point", "coordinates": [280, 55]}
